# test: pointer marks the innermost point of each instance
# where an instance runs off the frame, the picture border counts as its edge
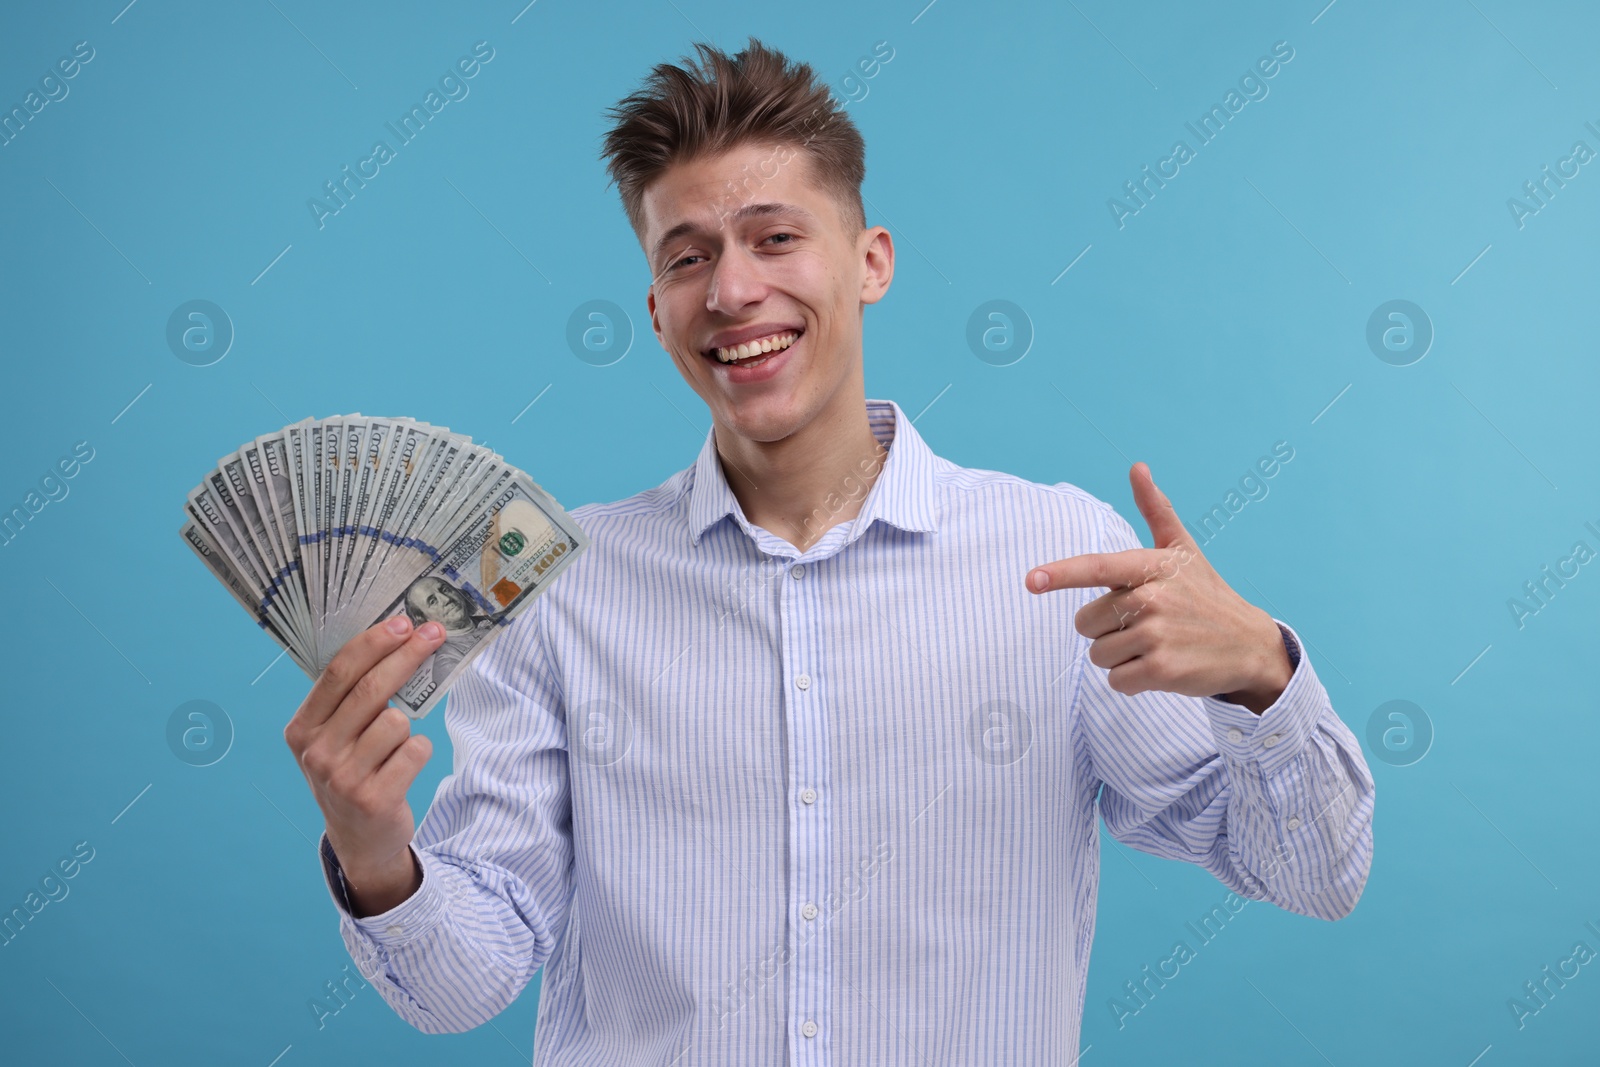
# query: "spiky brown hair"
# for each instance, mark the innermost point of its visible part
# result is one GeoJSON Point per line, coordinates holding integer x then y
{"type": "Point", "coordinates": [755, 97]}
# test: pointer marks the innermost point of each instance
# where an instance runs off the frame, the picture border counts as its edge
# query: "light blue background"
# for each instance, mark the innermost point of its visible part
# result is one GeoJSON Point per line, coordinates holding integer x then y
{"type": "Point", "coordinates": [1225, 316]}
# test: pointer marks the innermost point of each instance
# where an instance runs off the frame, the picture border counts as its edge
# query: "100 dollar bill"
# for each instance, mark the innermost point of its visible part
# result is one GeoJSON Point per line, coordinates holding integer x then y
{"type": "Point", "coordinates": [477, 584]}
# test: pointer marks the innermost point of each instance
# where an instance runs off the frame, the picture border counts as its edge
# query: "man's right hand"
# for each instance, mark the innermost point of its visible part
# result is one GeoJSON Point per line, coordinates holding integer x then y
{"type": "Point", "coordinates": [360, 757]}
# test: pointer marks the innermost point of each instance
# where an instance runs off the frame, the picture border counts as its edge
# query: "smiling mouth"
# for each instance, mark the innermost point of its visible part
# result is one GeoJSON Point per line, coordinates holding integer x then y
{"type": "Point", "coordinates": [754, 352]}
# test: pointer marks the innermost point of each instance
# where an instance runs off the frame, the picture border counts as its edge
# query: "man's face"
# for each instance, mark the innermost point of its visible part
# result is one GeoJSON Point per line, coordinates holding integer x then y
{"type": "Point", "coordinates": [767, 254]}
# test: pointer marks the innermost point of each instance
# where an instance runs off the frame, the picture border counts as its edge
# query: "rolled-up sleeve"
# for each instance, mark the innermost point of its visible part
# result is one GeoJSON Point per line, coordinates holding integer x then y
{"type": "Point", "coordinates": [1278, 805]}
{"type": "Point", "coordinates": [495, 850]}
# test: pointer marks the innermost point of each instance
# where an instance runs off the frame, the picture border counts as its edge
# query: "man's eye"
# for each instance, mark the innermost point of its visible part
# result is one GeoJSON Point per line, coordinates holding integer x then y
{"type": "Point", "coordinates": [675, 265]}
{"type": "Point", "coordinates": [788, 235]}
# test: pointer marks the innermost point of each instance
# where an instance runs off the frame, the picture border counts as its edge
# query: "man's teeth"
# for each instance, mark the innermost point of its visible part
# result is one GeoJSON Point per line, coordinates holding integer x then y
{"type": "Point", "coordinates": [776, 342]}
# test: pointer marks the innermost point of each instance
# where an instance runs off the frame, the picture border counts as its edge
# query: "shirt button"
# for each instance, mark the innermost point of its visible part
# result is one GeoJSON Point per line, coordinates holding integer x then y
{"type": "Point", "coordinates": [1294, 822]}
{"type": "Point", "coordinates": [798, 570]}
{"type": "Point", "coordinates": [809, 911]}
{"type": "Point", "coordinates": [809, 796]}
{"type": "Point", "coordinates": [808, 1028]}
{"type": "Point", "coordinates": [396, 929]}
{"type": "Point", "coordinates": [1269, 741]}
{"type": "Point", "coordinates": [804, 681]}
{"type": "Point", "coordinates": [1235, 735]}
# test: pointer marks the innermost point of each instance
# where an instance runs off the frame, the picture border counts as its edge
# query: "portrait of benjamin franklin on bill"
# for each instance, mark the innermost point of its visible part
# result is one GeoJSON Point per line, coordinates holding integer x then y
{"type": "Point", "coordinates": [432, 599]}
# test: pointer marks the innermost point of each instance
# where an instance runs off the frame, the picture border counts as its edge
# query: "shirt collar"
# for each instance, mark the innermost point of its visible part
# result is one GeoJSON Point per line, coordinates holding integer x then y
{"type": "Point", "coordinates": [902, 496]}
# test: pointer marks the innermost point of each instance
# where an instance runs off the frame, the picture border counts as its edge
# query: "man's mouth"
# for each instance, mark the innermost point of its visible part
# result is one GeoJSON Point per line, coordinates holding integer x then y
{"type": "Point", "coordinates": [753, 353]}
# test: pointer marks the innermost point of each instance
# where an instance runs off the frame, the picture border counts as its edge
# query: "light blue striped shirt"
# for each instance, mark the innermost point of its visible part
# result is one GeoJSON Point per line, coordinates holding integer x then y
{"type": "Point", "coordinates": [753, 806]}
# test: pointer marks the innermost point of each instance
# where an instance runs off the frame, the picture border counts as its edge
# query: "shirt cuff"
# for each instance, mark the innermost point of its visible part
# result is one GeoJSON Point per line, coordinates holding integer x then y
{"type": "Point", "coordinates": [407, 921]}
{"type": "Point", "coordinates": [1278, 734]}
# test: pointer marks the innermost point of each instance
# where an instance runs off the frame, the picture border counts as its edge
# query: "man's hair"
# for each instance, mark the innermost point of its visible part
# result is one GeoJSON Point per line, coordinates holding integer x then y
{"type": "Point", "coordinates": [755, 97]}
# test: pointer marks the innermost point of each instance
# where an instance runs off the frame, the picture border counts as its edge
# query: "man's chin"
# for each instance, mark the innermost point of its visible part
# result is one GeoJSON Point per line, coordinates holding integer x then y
{"type": "Point", "coordinates": [763, 418]}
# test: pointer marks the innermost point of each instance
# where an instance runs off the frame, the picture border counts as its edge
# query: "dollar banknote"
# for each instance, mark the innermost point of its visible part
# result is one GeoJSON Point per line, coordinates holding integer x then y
{"type": "Point", "coordinates": [328, 526]}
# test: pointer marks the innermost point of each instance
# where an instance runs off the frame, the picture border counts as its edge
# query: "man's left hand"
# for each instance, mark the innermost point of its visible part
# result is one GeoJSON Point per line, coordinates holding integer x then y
{"type": "Point", "coordinates": [1169, 621]}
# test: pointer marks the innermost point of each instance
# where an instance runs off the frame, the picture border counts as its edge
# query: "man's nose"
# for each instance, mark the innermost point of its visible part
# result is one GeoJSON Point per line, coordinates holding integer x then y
{"type": "Point", "coordinates": [735, 281]}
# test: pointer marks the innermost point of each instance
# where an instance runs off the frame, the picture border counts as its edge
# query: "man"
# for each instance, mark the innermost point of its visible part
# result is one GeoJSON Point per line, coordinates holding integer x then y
{"type": "Point", "coordinates": [796, 764]}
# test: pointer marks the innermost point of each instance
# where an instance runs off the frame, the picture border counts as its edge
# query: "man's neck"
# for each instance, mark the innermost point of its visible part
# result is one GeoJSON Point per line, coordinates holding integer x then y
{"type": "Point", "coordinates": [802, 486]}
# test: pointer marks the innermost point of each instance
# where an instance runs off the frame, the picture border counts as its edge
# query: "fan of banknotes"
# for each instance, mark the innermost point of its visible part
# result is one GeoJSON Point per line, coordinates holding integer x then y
{"type": "Point", "coordinates": [331, 525]}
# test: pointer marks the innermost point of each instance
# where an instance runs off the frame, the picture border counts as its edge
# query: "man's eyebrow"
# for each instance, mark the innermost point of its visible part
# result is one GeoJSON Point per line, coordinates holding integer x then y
{"type": "Point", "coordinates": [762, 210]}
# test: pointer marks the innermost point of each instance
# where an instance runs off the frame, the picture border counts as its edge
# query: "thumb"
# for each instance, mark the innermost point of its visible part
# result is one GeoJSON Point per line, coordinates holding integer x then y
{"type": "Point", "coordinates": [1166, 529]}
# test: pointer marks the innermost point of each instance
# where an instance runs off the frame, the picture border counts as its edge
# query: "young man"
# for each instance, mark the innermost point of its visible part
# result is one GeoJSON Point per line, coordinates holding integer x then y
{"type": "Point", "coordinates": [796, 764]}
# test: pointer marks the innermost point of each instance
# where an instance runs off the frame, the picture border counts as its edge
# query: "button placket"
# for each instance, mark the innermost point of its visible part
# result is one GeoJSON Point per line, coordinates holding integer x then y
{"type": "Point", "coordinates": [805, 720]}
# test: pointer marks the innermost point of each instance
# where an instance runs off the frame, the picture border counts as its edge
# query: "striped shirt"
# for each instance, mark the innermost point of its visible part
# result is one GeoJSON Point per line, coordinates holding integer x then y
{"type": "Point", "coordinates": [748, 805]}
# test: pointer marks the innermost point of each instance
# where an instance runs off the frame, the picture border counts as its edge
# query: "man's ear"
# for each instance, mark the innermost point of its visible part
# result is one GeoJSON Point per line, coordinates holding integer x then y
{"type": "Point", "coordinates": [877, 250]}
{"type": "Point", "coordinates": [655, 322]}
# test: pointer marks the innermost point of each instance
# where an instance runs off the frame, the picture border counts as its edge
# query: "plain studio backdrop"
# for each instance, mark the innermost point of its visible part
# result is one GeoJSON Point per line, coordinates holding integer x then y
{"type": "Point", "coordinates": [1379, 259]}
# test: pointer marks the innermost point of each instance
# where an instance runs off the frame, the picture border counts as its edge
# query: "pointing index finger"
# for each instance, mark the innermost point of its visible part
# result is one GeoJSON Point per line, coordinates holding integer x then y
{"type": "Point", "coordinates": [1111, 570]}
